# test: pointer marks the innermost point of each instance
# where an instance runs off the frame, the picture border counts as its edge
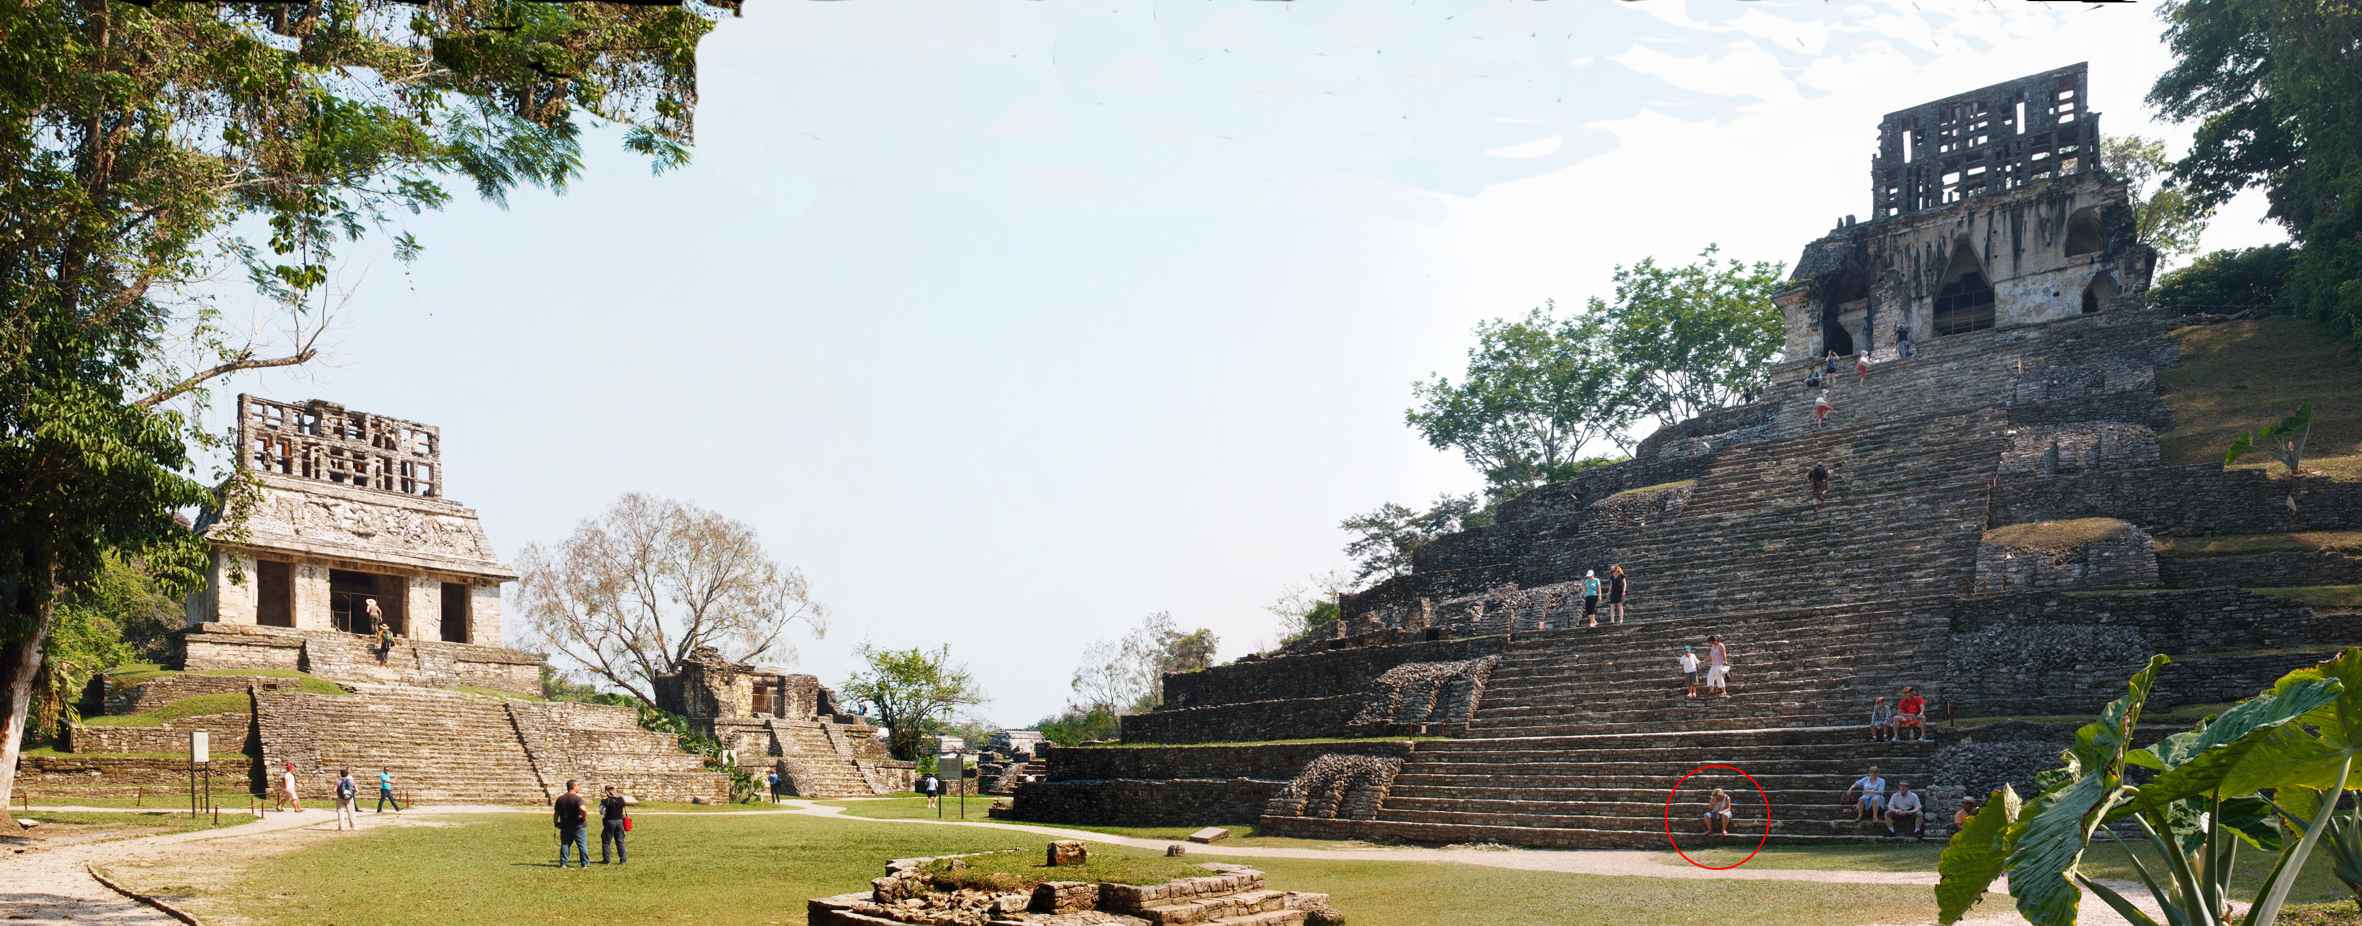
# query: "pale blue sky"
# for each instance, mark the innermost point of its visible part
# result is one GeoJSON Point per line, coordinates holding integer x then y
{"type": "Point", "coordinates": [1010, 322]}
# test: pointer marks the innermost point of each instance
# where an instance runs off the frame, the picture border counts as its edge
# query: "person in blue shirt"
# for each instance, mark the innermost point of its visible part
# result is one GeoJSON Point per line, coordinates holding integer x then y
{"type": "Point", "coordinates": [1591, 597]}
{"type": "Point", "coordinates": [385, 790]}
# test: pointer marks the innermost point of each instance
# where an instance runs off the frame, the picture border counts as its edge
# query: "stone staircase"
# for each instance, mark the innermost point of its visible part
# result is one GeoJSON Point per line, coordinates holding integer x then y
{"type": "Point", "coordinates": [601, 746]}
{"type": "Point", "coordinates": [1582, 735]}
{"type": "Point", "coordinates": [1236, 896]}
{"type": "Point", "coordinates": [818, 764]}
{"type": "Point", "coordinates": [442, 747]}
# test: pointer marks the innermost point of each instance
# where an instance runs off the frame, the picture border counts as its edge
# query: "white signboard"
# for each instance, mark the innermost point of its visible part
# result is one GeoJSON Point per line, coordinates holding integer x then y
{"type": "Point", "coordinates": [200, 747]}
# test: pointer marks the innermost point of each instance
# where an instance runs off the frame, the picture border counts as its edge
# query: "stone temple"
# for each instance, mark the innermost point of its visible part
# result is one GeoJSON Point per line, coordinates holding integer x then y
{"type": "Point", "coordinates": [1992, 536]}
{"type": "Point", "coordinates": [344, 508]}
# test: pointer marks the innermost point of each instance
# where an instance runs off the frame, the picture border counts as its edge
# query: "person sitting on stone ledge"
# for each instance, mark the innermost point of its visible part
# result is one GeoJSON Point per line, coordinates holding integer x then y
{"type": "Point", "coordinates": [1911, 714]}
{"type": "Point", "coordinates": [1871, 801]}
{"type": "Point", "coordinates": [1882, 721]}
{"type": "Point", "coordinates": [1717, 815]}
{"type": "Point", "coordinates": [1966, 811]}
{"type": "Point", "coordinates": [1905, 809]}
{"type": "Point", "coordinates": [1812, 379]}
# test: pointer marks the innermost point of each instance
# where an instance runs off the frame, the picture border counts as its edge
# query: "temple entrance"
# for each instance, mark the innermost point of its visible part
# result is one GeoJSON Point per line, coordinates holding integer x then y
{"type": "Point", "coordinates": [274, 602]}
{"type": "Point", "coordinates": [455, 611]}
{"type": "Point", "coordinates": [1965, 303]}
{"type": "Point", "coordinates": [349, 592]}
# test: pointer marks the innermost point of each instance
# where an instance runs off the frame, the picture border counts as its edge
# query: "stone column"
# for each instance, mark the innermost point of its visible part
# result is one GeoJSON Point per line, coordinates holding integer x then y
{"type": "Point", "coordinates": [423, 605]}
{"type": "Point", "coordinates": [233, 589]}
{"type": "Point", "coordinates": [483, 615]}
{"type": "Point", "coordinates": [311, 596]}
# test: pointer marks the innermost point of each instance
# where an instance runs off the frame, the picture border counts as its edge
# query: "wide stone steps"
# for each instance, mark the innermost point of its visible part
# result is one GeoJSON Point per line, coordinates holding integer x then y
{"type": "Point", "coordinates": [817, 768]}
{"type": "Point", "coordinates": [442, 747]}
{"type": "Point", "coordinates": [1249, 906]}
{"type": "Point", "coordinates": [1553, 837]}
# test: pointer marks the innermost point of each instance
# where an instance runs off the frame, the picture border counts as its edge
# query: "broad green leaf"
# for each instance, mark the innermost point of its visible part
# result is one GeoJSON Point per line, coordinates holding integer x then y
{"type": "Point", "coordinates": [1975, 856]}
{"type": "Point", "coordinates": [2045, 845]}
{"type": "Point", "coordinates": [2124, 908]}
{"type": "Point", "coordinates": [2238, 753]}
{"type": "Point", "coordinates": [2100, 745]}
{"type": "Point", "coordinates": [2292, 862]}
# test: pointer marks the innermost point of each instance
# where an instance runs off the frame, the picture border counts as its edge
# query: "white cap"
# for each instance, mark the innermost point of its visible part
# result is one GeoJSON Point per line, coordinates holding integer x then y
{"type": "Point", "coordinates": [1588, 574]}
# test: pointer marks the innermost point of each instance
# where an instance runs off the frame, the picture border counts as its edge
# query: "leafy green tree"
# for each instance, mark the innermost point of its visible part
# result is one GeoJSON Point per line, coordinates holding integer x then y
{"type": "Point", "coordinates": [2267, 772]}
{"type": "Point", "coordinates": [117, 618]}
{"type": "Point", "coordinates": [1537, 390]}
{"type": "Point", "coordinates": [1075, 726]}
{"type": "Point", "coordinates": [2277, 97]}
{"type": "Point", "coordinates": [2165, 217]}
{"type": "Point", "coordinates": [1384, 539]}
{"type": "Point", "coordinates": [1688, 339]}
{"type": "Point", "coordinates": [2283, 439]}
{"type": "Point", "coordinates": [2229, 281]}
{"type": "Point", "coordinates": [1307, 609]}
{"type": "Point", "coordinates": [911, 692]}
{"type": "Point", "coordinates": [148, 147]}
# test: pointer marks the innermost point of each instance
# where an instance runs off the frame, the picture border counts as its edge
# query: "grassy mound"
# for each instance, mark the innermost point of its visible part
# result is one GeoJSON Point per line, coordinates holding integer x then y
{"type": "Point", "coordinates": [220, 702]}
{"type": "Point", "coordinates": [2239, 376]}
{"type": "Point", "coordinates": [2057, 536]}
{"type": "Point", "coordinates": [2234, 544]}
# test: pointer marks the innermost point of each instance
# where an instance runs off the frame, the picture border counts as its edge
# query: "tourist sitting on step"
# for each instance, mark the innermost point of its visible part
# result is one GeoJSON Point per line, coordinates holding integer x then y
{"type": "Point", "coordinates": [1966, 811]}
{"type": "Point", "coordinates": [1717, 668]}
{"type": "Point", "coordinates": [1717, 815]}
{"type": "Point", "coordinates": [1911, 715]}
{"type": "Point", "coordinates": [1867, 795]}
{"type": "Point", "coordinates": [1904, 809]}
{"type": "Point", "coordinates": [1689, 671]}
{"type": "Point", "coordinates": [1882, 721]}
{"type": "Point", "coordinates": [1812, 380]}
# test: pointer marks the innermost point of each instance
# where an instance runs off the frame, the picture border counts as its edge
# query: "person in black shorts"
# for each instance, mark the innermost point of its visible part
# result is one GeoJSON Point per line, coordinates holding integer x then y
{"type": "Point", "coordinates": [1590, 598]}
{"type": "Point", "coordinates": [1819, 475]}
{"type": "Point", "coordinates": [1615, 594]}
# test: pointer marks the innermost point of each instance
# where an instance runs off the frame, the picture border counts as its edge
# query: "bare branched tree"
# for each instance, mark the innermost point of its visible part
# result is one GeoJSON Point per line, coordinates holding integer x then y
{"type": "Point", "coordinates": [638, 589]}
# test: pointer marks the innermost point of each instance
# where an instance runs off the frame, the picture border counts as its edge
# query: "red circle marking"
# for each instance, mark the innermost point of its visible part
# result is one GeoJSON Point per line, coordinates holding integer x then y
{"type": "Point", "coordinates": [1676, 792]}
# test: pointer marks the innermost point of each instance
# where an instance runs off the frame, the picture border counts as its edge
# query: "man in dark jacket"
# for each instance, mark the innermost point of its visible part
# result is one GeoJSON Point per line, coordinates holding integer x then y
{"type": "Point", "coordinates": [611, 825]}
{"type": "Point", "coordinates": [567, 814]}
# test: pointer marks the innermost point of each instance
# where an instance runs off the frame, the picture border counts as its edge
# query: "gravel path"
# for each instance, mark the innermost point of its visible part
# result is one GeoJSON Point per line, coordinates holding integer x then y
{"type": "Point", "coordinates": [46, 885]}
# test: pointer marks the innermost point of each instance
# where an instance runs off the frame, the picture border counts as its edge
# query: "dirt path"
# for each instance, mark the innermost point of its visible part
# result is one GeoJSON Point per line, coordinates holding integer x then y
{"type": "Point", "coordinates": [51, 884]}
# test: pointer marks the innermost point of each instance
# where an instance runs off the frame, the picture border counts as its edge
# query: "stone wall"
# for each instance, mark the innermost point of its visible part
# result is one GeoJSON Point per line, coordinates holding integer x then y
{"type": "Point", "coordinates": [2056, 449]}
{"type": "Point", "coordinates": [42, 778]}
{"type": "Point", "coordinates": [2197, 498]}
{"type": "Point", "coordinates": [132, 697]}
{"type": "Point", "coordinates": [2088, 553]}
{"type": "Point", "coordinates": [2069, 653]}
{"type": "Point", "coordinates": [228, 740]}
{"type": "Point", "coordinates": [1336, 787]}
{"type": "Point", "coordinates": [352, 657]}
{"type": "Point", "coordinates": [2290, 567]}
{"type": "Point", "coordinates": [1277, 762]}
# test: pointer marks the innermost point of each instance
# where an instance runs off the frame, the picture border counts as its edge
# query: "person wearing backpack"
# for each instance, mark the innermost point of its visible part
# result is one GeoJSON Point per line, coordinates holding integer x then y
{"type": "Point", "coordinates": [613, 823]}
{"type": "Point", "coordinates": [347, 794]}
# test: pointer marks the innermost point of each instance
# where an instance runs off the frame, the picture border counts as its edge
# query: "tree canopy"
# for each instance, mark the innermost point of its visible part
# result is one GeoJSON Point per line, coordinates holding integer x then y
{"type": "Point", "coordinates": [912, 692]}
{"type": "Point", "coordinates": [150, 147]}
{"type": "Point", "coordinates": [1536, 391]}
{"type": "Point", "coordinates": [634, 592]}
{"type": "Point", "coordinates": [2276, 91]}
{"type": "Point", "coordinates": [2165, 216]}
{"type": "Point", "coordinates": [1125, 675]}
{"type": "Point", "coordinates": [1690, 338]}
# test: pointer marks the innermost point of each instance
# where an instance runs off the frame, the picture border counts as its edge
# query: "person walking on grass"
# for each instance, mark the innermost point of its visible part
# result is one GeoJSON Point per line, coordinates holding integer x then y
{"type": "Point", "coordinates": [1717, 668]}
{"type": "Point", "coordinates": [771, 779]}
{"type": "Point", "coordinates": [1717, 815]}
{"type": "Point", "coordinates": [1689, 672]}
{"type": "Point", "coordinates": [567, 814]}
{"type": "Point", "coordinates": [1868, 796]}
{"type": "Point", "coordinates": [933, 788]}
{"type": "Point", "coordinates": [286, 795]}
{"type": "Point", "coordinates": [613, 823]}
{"type": "Point", "coordinates": [385, 790]}
{"type": "Point", "coordinates": [348, 794]}
{"type": "Point", "coordinates": [1591, 597]}
{"type": "Point", "coordinates": [1905, 809]}
{"type": "Point", "coordinates": [1617, 587]}
{"type": "Point", "coordinates": [1882, 721]}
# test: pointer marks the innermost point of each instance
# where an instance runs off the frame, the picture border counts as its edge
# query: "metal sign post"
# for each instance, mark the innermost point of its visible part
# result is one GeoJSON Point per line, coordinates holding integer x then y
{"type": "Point", "coordinates": [963, 766]}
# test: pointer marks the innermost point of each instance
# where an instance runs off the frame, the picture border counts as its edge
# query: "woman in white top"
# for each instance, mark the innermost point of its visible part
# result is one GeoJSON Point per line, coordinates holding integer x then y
{"type": "Point", "coordinates": [1717, 667]}
{"type": "Point", "coordinates": [1717, 814]}
{"type": "Point", "coordinates": [287, 787]}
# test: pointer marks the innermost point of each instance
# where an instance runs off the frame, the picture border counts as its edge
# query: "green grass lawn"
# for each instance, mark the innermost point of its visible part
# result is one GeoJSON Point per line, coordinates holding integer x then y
{"type": "Point", "coordinates": [2318, 883]}
{"type": "Point", "coordinates": [914, 807]}
{"type": "Point", "coordinates": [229, 791]}
{"type": "Point", "coordinates": [2239, 376]}
{"type": "Point", "coordinates": [219, 702]}
{"type": "Point", "coordinates": [759, 869]}
{"type": "Point", "coordinates": [135, 824]}
{"type": "Point", "coordinates": [2232, 544]}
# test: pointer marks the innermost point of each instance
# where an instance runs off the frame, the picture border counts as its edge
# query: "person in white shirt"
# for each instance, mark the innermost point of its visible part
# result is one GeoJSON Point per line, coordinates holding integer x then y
{"type": "Point", "coordinates": [1689, 671]}
{"type": "Point", "coordinates": [1905, 809]}
{"type": "Point", "coordinates": [1717, 815]}
{"type": "Point", "coordinates": [1871, 801]}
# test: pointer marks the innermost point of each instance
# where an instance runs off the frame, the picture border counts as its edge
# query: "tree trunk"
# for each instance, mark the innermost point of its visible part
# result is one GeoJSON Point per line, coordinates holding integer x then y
{"type": "Point", "coordinates": [20, 661]}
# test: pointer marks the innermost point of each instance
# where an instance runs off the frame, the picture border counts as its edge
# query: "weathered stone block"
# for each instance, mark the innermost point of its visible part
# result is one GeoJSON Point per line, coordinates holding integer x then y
{"type": "Point", "coordinates": [1067, 852]}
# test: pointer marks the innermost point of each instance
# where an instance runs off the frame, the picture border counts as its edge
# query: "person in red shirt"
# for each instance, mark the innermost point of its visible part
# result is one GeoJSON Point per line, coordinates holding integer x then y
{"type": "Point", "coordinates": [1911, 714]}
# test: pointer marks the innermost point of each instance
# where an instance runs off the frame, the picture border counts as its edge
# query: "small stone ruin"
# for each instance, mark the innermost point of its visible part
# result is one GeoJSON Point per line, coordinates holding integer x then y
{"type": "Point", "coordinates": [920, 891]}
